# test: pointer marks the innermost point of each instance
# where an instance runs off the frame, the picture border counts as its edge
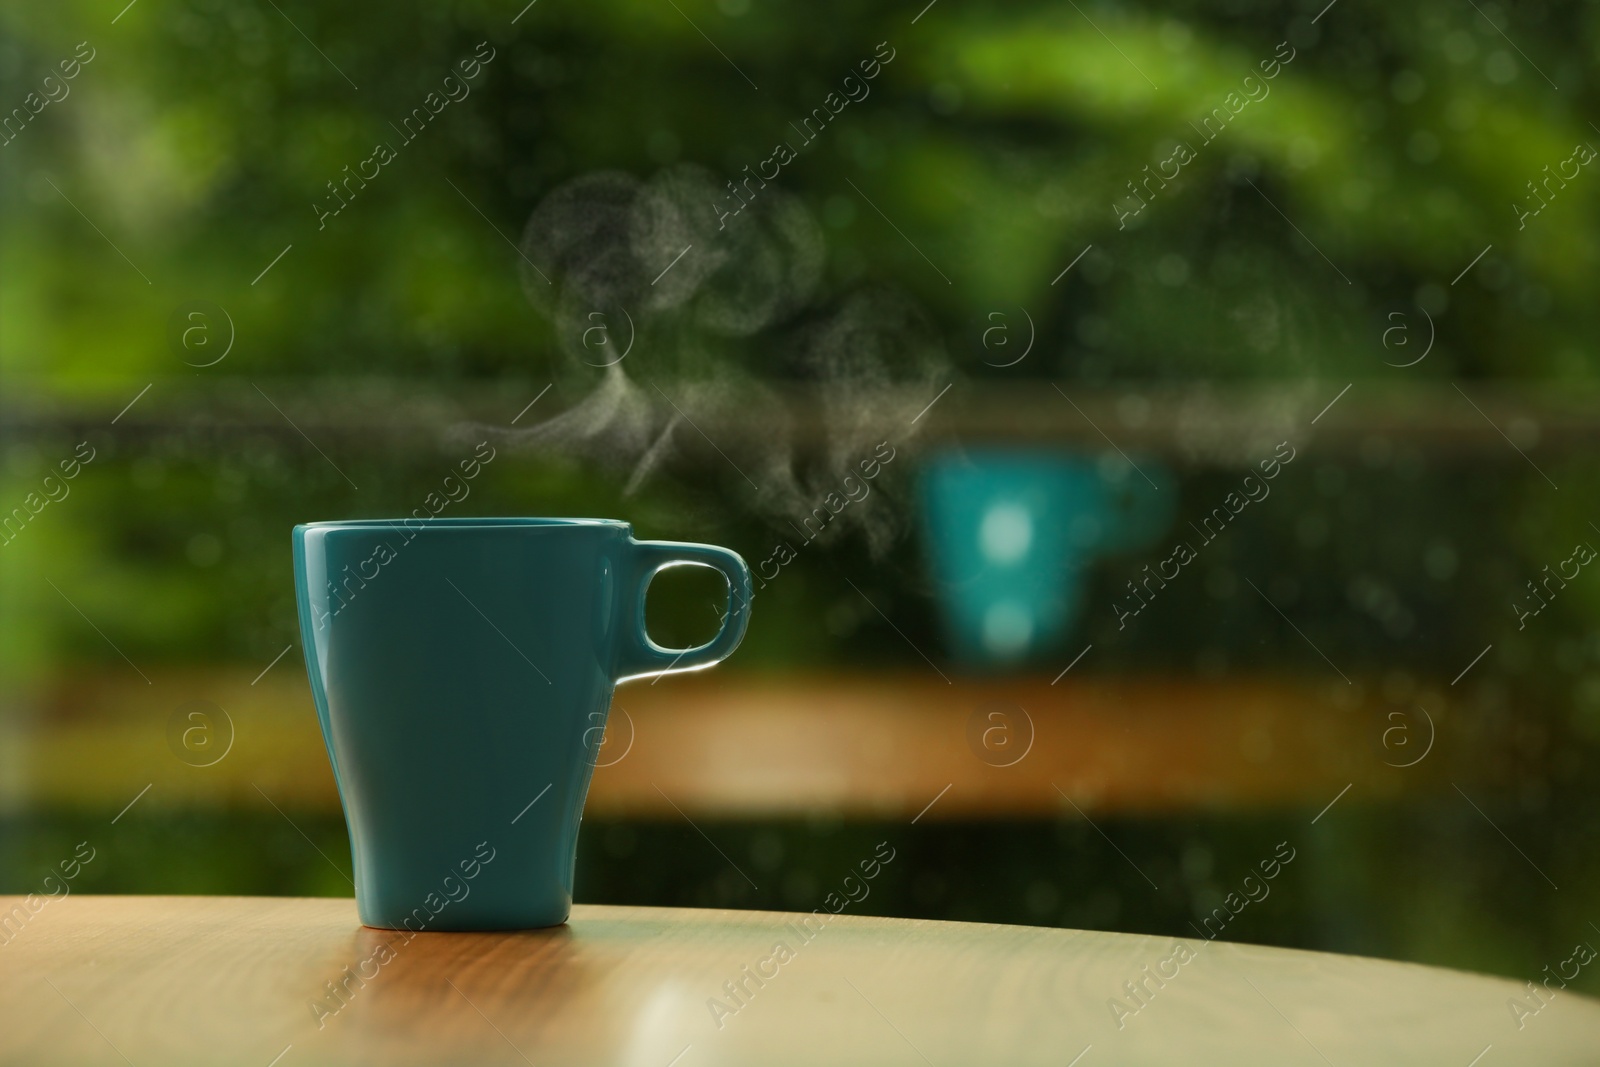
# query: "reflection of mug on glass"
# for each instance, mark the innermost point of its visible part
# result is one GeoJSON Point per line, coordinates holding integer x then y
{"type": "Point", "coordinates": [459, 667]}
{"type": "Point", "coordinates": [1010, 533]}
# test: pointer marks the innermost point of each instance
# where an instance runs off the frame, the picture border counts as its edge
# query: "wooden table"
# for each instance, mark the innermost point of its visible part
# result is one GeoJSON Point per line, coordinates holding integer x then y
{"type": "Point", "coordinates": [181, 980]}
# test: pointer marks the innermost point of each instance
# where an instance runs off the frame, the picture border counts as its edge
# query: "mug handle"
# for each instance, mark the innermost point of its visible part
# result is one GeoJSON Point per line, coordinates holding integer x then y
{"type": "Point", "coordinates": [641, 657]}
{"type": "Point", "coordinates": [1140, 515]}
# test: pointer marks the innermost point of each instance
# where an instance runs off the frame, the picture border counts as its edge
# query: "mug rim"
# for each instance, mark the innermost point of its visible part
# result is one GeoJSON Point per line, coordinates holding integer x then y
{"type": "Point", "coordinates": [461, 522]}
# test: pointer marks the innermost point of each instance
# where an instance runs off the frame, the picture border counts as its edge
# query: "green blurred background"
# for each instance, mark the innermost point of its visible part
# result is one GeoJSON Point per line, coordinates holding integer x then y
{"type": "Point", "coordinates": [993, 151]}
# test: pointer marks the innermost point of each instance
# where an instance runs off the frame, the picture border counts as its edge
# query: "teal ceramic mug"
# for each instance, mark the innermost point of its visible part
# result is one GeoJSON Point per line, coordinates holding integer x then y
{"type": "Point", "coordinates": [462, 670]}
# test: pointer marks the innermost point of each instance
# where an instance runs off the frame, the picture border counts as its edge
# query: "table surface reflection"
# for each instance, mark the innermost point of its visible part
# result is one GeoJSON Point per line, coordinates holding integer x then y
{"type": "Point", "coordinates": [286, 982]}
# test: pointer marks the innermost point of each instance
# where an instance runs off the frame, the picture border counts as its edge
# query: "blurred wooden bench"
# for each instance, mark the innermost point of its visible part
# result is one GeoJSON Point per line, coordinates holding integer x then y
{"type": "Point", "coordinates": [730, 744]}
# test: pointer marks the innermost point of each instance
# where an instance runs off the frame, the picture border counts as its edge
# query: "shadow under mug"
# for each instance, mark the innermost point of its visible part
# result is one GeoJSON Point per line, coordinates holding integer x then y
{"type": "Point", "coordinates": [462, 671]}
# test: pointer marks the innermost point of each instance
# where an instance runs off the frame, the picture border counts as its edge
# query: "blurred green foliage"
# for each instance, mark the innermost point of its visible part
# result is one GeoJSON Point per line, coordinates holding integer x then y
{"type": "Point", "coordinates": [999, 140]}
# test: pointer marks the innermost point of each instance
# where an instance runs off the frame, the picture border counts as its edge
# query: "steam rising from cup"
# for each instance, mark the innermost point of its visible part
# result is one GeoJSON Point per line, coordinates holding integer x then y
{"type": "Point", "coordinates": [719, 348]}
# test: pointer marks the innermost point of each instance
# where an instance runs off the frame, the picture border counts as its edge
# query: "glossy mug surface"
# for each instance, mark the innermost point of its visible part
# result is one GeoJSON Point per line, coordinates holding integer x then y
{"type": "Point", "coordinates": [462, 671]}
